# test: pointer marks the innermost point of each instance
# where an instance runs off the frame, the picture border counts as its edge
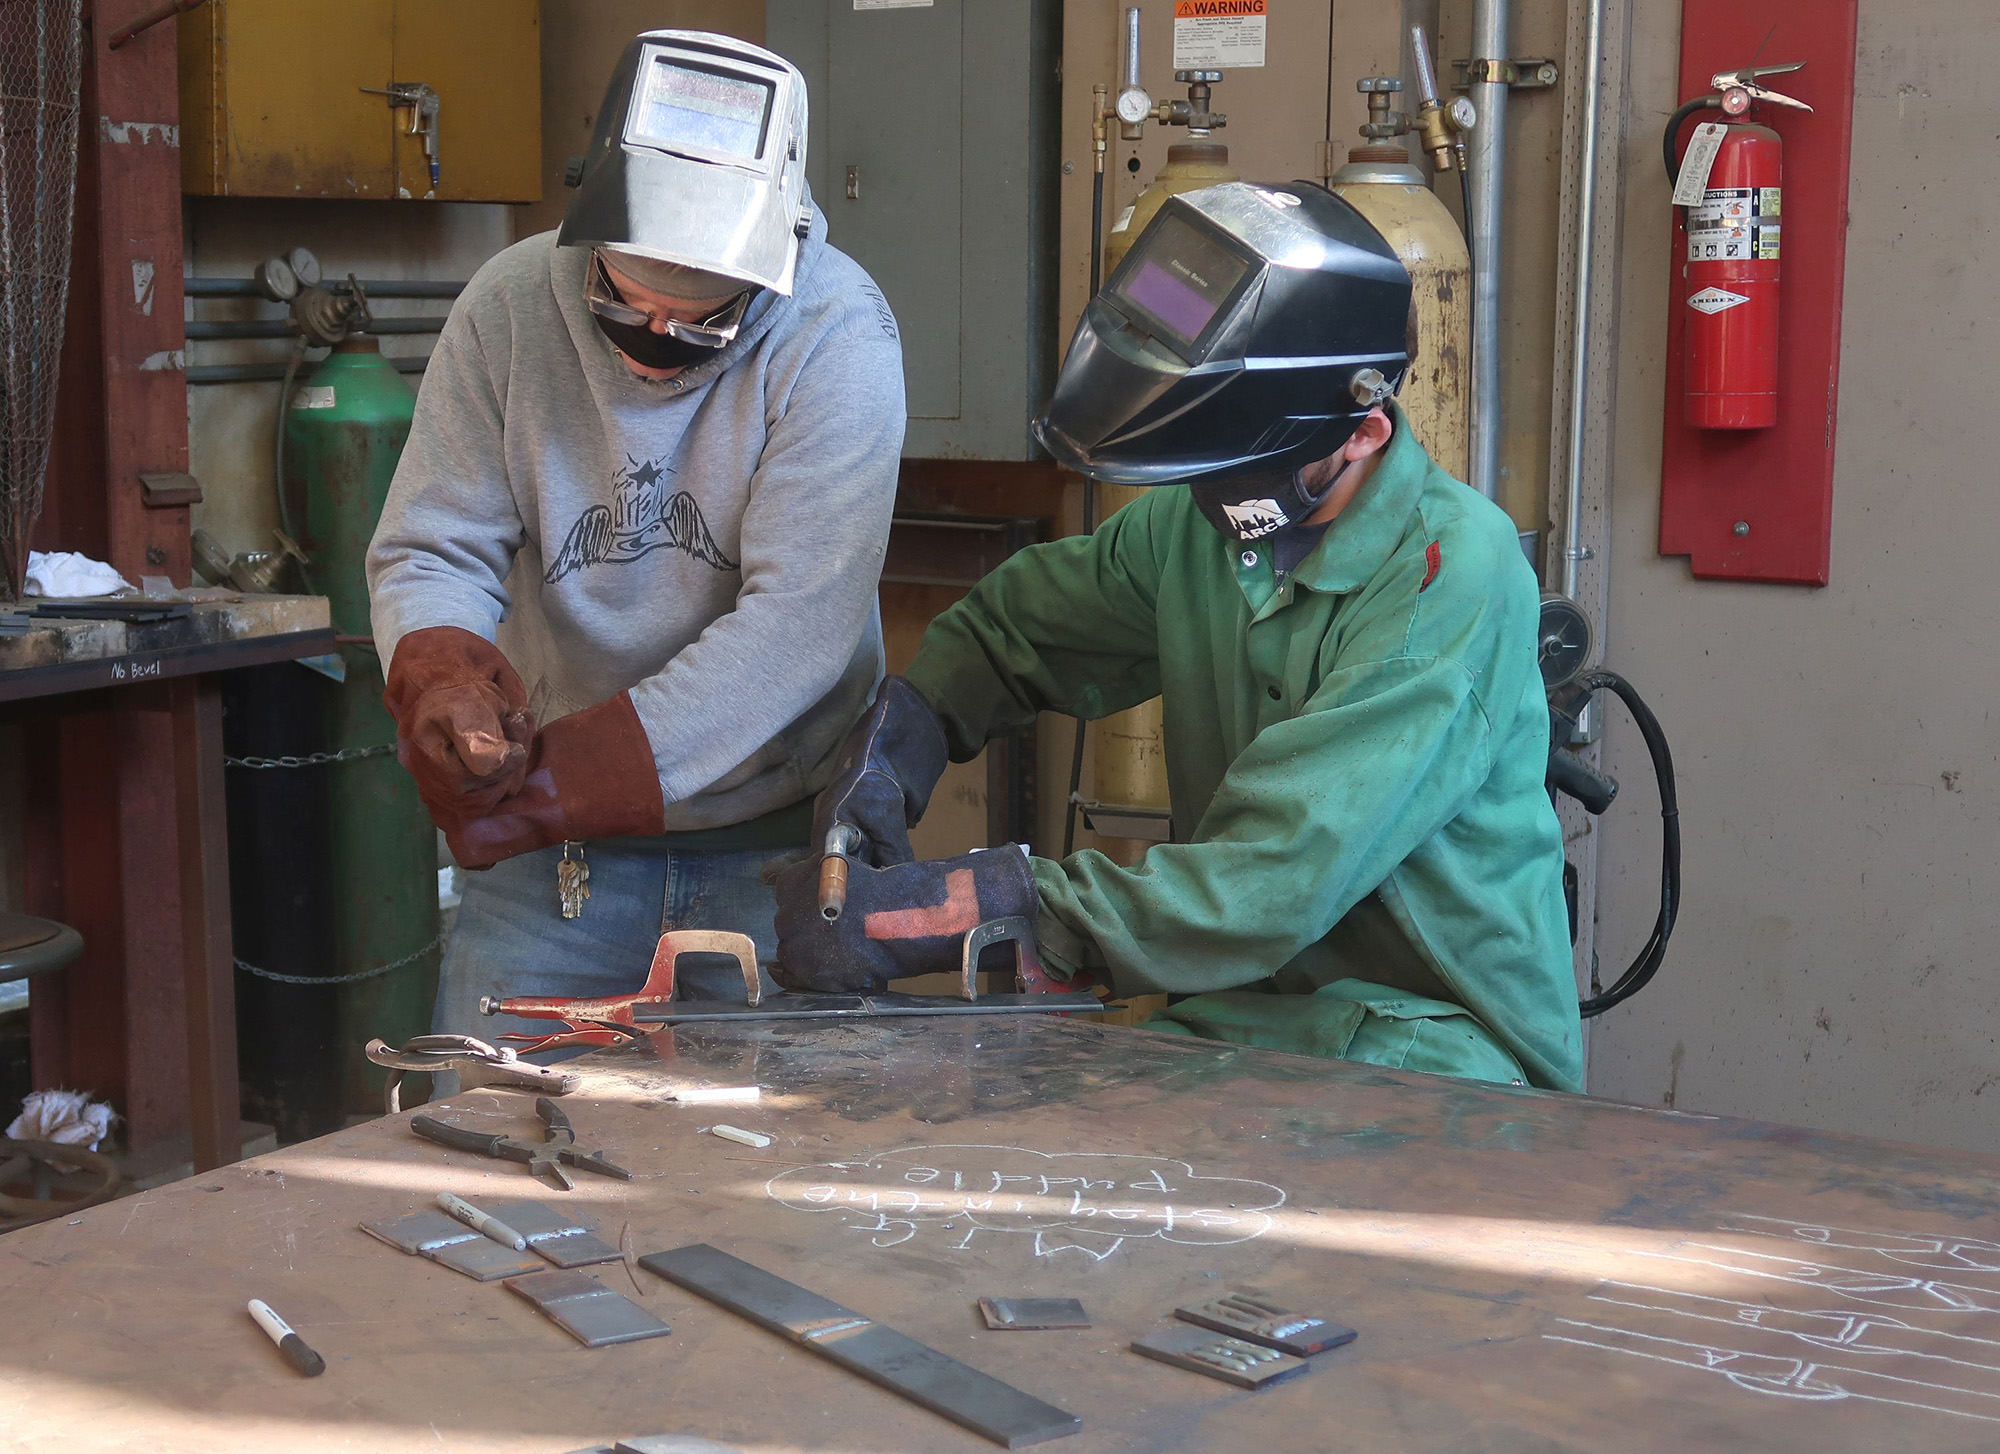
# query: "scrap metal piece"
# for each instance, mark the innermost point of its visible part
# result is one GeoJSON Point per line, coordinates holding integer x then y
{"type": "Point", "coordinates": [1252, 1316]}
{"type": "Point", "coordinates": [1023, 1314]}
{"type": "Point", "coordinates": [430, 1233]}
{"type": "Point", "coordinates": [662, 1444]}
{"type": "Point", "coordinates": [586, 1309]}
{"type": "Point", "coordinates": [967, 1397]}
{"type": "Point", "coordinates": [1247, 1365]}
{"type": "Point", "coordinates": [556, 1236]}
{"type": "Point", "coordinates": [810, 1006]}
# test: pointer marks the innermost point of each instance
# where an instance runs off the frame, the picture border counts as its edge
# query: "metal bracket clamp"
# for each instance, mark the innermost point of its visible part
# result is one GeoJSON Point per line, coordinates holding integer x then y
{"type": "Point", "coordinates": [1013, 929]}
{"type": "Point", "coordinates": [1524, 73]}
{"type": "Point", "coordinates": [974, 1400]}
{"type": "Point", "coordinates": [609, 1021]}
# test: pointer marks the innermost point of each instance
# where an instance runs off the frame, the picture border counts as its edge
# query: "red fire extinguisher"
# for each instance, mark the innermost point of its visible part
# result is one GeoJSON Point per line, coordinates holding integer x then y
{"type": "Point", "coordinates": [1730, 186]}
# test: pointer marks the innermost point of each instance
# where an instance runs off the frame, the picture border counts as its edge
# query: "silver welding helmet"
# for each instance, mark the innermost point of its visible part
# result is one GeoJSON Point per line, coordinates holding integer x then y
{"type": "Point", "coordinates": [1246, 334]}
{"type": "Point", "coordinates": [699, 159]}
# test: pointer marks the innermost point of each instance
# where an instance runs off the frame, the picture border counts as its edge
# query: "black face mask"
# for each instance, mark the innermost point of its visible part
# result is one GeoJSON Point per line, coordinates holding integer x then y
{"type": "Point", "coordinates": [1254, 504]}
{"type": "Point", "coordinates": [638, 342]}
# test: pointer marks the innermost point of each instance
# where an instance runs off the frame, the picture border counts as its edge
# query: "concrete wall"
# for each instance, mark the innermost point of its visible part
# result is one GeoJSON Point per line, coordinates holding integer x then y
{"type": "Point", "coordinates": [1839, 748]}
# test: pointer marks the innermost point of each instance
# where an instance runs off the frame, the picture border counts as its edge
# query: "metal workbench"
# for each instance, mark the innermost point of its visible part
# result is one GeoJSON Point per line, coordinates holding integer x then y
{"type": "Point", "coordinates": [1527, 1270]}
{"type": "Point", "coordinates": [126, 840]}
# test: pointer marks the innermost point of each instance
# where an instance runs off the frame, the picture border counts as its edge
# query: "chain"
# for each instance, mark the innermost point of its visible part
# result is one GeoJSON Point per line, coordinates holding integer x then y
{"type": "Point", "coordinates": [340, 978]}
{"type": "Point", "coordinates": [312, 759]}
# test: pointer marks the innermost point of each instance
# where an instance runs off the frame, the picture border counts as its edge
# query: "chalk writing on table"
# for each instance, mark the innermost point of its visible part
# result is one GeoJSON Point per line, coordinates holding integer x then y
{"type": "Point", "coordinates": [1819, 1313]}
{"type": "Point", "coordinates": [1091, 1203]}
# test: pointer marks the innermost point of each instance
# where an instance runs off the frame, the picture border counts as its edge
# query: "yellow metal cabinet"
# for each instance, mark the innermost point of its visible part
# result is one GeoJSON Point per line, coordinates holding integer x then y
{"type": "Point", "coordinates": [278, 98]}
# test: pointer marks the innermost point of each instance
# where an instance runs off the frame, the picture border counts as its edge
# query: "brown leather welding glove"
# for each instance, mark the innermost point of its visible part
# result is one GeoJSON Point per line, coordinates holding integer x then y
{"type": "Point", "coordinates": [462, 720]}
{"type": "Point", "coordinates": [589, 775]}
{"type": "Point", "coordinates": [910, 918]}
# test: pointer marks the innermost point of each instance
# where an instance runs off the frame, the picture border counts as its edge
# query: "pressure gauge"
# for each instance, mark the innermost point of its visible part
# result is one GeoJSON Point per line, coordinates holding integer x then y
{"type": "Point", "coordinates": [276, 280]}
{"type": "Point", "coordinates": [1461, 115]}
{"type": "Point", "coordinates": [1134, 106]}
{"type": "Point", "coordinates": [305, 266]}
{"type": "Point", "coordinates": [1564, 639]}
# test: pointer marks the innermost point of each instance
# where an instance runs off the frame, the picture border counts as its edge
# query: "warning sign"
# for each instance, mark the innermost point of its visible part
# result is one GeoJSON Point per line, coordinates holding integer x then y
{"type": "Point", "coordinates": [1218, 35]}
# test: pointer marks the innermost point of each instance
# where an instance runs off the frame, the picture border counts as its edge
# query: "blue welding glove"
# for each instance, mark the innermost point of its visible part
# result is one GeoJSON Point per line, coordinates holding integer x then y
{"type": "Point", "coordinates": [883, 778]}
{"type": "Point", "coordinates": [910, 918]}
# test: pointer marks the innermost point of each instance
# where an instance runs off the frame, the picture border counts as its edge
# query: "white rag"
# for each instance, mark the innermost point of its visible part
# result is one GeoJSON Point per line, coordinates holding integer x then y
{"type": "Point", "coordinates": [69, 1118]}
{"type": "Point", "coordinates": [66, 575]}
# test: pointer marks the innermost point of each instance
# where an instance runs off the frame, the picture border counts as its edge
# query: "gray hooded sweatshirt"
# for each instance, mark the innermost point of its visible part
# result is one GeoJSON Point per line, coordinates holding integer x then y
{"type": "Point", "coordinates": [711, 543]}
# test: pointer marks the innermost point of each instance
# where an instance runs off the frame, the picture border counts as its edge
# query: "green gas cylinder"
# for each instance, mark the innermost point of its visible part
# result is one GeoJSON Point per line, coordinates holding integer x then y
{"type": "Point", "coordinates": [344, 431]}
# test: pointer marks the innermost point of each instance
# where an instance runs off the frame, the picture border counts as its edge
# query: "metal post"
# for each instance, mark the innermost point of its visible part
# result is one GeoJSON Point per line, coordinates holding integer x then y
{"type": "Point", "coordinates": [1489, 178]}
{"type": "Point", "coordinates": [1579, 372]}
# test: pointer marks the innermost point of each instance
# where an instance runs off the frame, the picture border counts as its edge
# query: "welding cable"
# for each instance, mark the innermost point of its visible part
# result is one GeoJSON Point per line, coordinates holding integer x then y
{"type": "Point", "coordinates": [1647, 964]}
{"type": "Point", "coordinates": [1465, 201]}
{"type": "Point", "coordinates": [278, 454]}
{"type": "Point", "coordinates": [1670, 141]}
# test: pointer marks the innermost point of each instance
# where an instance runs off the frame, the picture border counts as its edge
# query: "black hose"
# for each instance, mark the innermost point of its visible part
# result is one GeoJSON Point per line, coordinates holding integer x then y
{"type": "Point", "coordinates": [278, 456]}
{"type": "Point", "coordinates": [1647, 964]}
{"type": "Point", "coordinates": [1670, 140]}
{"type": "Point", "coordinates": [1089, 504]}
{"type": "Point", "coordinates": [1465, 201]}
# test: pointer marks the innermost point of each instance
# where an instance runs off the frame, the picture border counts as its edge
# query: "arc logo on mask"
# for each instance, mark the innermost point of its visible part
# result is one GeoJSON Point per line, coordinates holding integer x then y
{"type": "Point", "coordinates": [1254, 519]}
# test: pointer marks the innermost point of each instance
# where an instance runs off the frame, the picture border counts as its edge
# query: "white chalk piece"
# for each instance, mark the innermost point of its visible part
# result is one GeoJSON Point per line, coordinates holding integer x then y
{"type": "Point", "coordinates": [719, 1095]}
{"type": "Point", "coordinates": [289, 1343]}
{"type": "Point", "coordinates": [740, 1137]}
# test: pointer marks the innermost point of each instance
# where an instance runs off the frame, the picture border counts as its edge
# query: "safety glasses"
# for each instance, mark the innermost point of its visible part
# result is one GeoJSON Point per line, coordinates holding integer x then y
{"type": "Point", "coordinates": [719, 328]}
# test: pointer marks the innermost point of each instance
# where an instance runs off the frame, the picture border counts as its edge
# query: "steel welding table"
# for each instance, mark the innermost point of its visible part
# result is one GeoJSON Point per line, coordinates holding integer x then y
{"type": "Point", "coordinates": [147, 1016]}
{"type": "Point", "coordinates": [1527, 1270]}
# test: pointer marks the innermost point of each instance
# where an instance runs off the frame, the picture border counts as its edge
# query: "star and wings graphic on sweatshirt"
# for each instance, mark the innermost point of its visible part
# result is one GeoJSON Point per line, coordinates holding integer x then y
{"type": "Point", "coordinates": [647, 514]}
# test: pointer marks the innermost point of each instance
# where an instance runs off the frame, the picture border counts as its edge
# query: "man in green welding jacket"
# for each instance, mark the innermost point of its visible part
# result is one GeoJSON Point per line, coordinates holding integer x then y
{"type": "Point", "coordinates": [1345, 641]}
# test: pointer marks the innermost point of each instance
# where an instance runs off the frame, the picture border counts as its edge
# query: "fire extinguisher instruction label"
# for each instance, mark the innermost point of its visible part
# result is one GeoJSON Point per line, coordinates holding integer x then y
{"type": "Point", "coordinates": [1734, 224]}
{"type": "Point", "coordinates": [1219, 35]}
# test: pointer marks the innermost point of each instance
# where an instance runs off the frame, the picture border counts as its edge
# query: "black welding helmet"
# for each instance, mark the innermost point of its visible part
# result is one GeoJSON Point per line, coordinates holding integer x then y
{"type": "Point", "coordinates": [1245, 335]}
{"type": "Point", "coordinates": [698, 160]}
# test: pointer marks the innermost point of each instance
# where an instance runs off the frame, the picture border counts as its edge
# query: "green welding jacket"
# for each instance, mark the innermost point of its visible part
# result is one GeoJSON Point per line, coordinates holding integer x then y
{"type": "Point", "coordinates": [1355, 753]}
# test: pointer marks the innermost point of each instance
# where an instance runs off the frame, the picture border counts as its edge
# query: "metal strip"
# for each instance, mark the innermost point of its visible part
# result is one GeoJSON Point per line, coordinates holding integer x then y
{"type": "Point", "coordinates": [862, 1007]}
{"type": "Point", "coordinates": [967, 1397]}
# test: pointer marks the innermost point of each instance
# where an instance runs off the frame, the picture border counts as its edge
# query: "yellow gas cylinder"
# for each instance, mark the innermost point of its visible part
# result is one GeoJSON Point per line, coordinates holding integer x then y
{"type": "Point", "coordinates": [1381, 184]}
{"type": "Point", "coordinates": [1191, 165]}
{"type": "Point", "coordinates": [1130, 754]}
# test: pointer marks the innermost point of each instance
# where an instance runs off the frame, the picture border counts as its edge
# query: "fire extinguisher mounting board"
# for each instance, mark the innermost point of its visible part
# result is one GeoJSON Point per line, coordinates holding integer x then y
{"type": "Point", "coordinates": [1757, 504]}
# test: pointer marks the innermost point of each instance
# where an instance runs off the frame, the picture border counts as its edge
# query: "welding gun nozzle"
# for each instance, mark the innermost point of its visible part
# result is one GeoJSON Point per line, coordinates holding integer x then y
{"type": "Point", "coordinates": [832, 886]}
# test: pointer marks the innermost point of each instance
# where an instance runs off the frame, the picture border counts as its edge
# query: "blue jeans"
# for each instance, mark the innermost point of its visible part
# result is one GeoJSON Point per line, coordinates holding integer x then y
{"type": "Point", "coordinates": [511, 938]}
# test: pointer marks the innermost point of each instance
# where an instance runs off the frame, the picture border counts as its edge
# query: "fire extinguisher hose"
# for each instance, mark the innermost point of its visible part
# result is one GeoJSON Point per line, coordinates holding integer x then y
{"type": "Point", "coordinates": [1647, 964]}
{"type": "Point", "coordinates": [1670, 141]}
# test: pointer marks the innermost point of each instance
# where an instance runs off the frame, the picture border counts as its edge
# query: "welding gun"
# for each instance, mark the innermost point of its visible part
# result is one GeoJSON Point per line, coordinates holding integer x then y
{"type": "Point", "coordinates": [841, 840]}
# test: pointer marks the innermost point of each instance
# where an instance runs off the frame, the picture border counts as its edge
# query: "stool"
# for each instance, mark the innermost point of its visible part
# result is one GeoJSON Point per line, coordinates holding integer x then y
{"type": "Point", "coordinates": [31, 946]}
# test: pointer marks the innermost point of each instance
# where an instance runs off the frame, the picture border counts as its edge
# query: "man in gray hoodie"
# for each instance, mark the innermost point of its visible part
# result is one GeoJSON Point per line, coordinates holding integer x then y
{"type": "Point", "coordinates": [624, 584]}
